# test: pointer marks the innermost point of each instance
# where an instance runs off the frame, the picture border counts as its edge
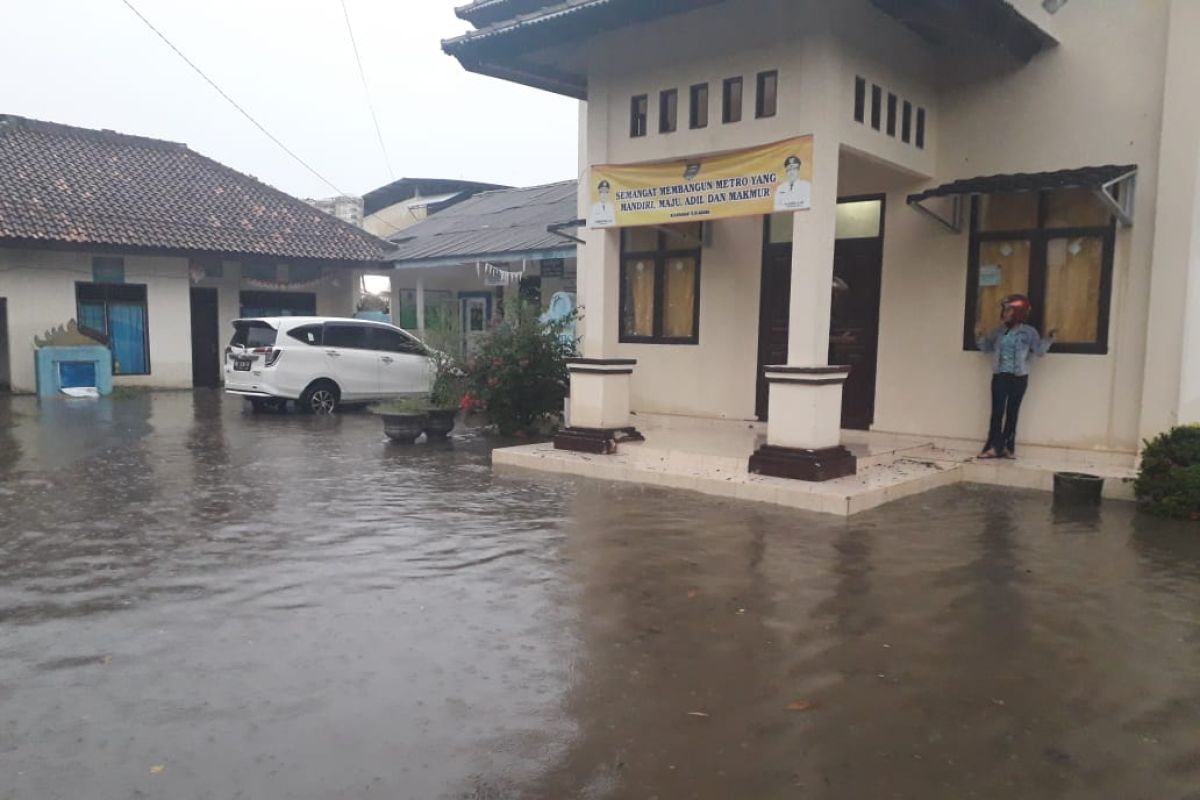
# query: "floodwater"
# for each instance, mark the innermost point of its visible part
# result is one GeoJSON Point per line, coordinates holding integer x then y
{"type": "Point", "coordinates": [196, 602]}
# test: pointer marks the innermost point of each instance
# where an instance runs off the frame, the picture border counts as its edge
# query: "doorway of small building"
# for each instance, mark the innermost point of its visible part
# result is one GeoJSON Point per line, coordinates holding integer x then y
{"type": "Point", "coordinates": [854, 302]}
{"type": "Point", "coordinates": [206, 348]}
{"type": "Point", "coordinates": [5, 369]}
{"type": "Point", "coordinates": [475, 309]}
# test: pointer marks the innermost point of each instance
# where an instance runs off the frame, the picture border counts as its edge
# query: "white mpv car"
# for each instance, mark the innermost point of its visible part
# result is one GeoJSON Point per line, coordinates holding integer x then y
{"type": "Point", "coordinates": [321, 362]}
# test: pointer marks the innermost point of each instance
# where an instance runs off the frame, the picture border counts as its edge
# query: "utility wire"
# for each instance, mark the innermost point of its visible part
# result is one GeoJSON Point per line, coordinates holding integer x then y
{"type": "Point", "coordinates": [232, 102]}
{"type": "Point", "coordinates": [367, 91]}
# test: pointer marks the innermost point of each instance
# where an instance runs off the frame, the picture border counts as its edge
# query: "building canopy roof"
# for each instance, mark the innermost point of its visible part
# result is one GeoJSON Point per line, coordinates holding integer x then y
{"type": "Point", "coordinates": [516, 40]}
{"type": "Point", "coordinates": [1112, 183]}
{"type": "Point", "coordinates": [1077, 178]}
{"type": "Point", "coordinates": [499, 225]}
{"type": "Point", "coordinates": [79, 186]}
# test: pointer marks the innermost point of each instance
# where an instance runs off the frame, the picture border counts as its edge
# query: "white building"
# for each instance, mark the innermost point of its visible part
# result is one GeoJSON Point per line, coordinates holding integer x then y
{"type": "Point", "coordinates": [1055, 155]}
{"type": "Point", "coordinates": [155, 249]}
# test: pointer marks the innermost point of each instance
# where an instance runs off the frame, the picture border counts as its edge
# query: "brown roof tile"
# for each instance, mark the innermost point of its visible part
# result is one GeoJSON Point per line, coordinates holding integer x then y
{"type": "Point", "coordinates": [60, 183]}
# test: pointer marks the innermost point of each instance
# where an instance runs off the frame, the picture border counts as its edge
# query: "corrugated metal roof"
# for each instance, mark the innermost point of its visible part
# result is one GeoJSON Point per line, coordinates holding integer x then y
{"type": "Point", "coordinates": [491, 224]}
{"type": "Point", "coordinates": [1078, 178]}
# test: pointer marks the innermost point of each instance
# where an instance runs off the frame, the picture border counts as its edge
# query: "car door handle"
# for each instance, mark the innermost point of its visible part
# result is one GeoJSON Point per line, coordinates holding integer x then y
{"type": "Point", "coordinates": [386, 359]}
{"type": "Point", "coordinates": [333, 353]}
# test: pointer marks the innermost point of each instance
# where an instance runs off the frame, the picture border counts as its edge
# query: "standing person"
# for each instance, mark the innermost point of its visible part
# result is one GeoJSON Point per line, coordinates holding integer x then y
{"type": "Point", "coordinates": [1010, 344]}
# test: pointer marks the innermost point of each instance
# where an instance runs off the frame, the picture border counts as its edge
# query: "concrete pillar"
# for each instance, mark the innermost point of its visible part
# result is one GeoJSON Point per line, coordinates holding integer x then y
{"type": "Point", "coordinates": [813, 235]}
{"type": "Point", "coordinates": [805, 401]}
{"type": "Point", "coordinates": [600, 383]}
{"type": "Point", "coordinates": [1189, 367]}
{"type": "Point", "coordinates": [1171, 379]}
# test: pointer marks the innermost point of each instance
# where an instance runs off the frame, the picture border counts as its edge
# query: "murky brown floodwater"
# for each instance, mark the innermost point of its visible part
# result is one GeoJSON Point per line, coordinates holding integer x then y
{"type": "Point", "coordinates": [200, 603]}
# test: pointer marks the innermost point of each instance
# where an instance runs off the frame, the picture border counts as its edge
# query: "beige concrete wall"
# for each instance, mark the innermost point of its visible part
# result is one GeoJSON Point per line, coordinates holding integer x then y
{"type": "Point", "coordinates": [715, 378]}
{"type": "Point", "coordinates": [1171, 391]}
{"type": "Point", "coordinates": [816, 80]}
{"type": "Point", "coordinates": [1095, 99]}
{"type": "Point", "coordinates": [40, 287]}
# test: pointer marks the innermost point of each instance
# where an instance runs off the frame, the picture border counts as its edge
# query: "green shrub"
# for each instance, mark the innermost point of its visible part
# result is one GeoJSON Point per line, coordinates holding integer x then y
{"type": "Point", "coordinates": [518, 375]}
{"type": "Point", "coordinates": [1168, 483]}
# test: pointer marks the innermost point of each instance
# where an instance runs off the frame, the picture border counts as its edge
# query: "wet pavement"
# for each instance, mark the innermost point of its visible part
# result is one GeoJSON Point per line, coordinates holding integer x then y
{"type": "Point", "coordinates": [196, 602]}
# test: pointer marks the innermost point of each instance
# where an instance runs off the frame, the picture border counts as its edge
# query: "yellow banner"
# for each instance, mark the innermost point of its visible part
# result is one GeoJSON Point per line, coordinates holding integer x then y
{"type": "Point", "coordinates": [752, 182]}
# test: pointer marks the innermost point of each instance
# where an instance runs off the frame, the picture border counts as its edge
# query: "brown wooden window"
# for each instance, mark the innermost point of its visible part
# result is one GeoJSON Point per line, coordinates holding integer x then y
{"type": "Point", "coordinates": [731, 100]}
{"type": "Point", "coordinates": [891, 114]}
{"type": "Point", "coordinates": [668, 110]}
{"type": "Point", "coordinates": [1054, 246]}
{"type": "Point", "coordinates": [860, 99]}
{"type": "Point", "coordinates": [698, 108]}
{"type": "Point", "coordinates": [906, 123]}
{"type": "Point", "coordinates": [660, 284]}
{"type": "Point", "coordinates": [876, 105]}
{"type": "Point", "coordinates": [921, 128]}
{"type": "Point", "coordinates": [766, 99]}
{"type": "Point", "coordinates": [638, 108]}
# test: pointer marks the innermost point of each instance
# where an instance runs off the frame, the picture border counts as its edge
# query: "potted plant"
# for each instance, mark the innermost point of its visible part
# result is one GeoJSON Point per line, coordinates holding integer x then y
{"type": "Point", "coordinates": [403, 418]}
{"type": "Point", "coordinates": [444, 396]}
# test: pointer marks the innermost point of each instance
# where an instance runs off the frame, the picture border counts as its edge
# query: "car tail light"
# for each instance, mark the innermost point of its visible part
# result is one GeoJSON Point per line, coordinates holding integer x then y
{"type": "Point", "coordinates": [273, 357]}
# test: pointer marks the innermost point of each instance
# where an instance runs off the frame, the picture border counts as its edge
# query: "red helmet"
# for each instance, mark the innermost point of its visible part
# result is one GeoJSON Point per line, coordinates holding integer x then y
{"type": "Point", "coordinates": [1020, 305]}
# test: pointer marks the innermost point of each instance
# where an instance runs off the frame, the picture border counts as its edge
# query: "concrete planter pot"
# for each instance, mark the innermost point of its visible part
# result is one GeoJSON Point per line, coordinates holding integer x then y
{"type": "Point", "coordinates": [1077, 488]}
{"type": "Point", "coordinates": [403, 428]}
{"type": "Point", "coordinates": [439, 422]}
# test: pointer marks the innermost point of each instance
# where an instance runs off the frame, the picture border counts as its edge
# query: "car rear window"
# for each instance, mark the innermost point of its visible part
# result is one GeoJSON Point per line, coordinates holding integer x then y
{"type": "Point", "coordinates": [253, 334]}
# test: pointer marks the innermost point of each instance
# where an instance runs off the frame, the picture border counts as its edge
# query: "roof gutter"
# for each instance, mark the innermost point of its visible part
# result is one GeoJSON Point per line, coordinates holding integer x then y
{"type": "Point", "coordinates": [469, 260]}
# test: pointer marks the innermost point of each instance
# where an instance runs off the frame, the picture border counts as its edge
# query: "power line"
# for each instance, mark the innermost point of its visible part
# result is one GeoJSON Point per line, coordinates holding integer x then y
{"type": "Point", "coordinates": [232, 102]}
{"type": "Point", "coordinates": [367, 91]}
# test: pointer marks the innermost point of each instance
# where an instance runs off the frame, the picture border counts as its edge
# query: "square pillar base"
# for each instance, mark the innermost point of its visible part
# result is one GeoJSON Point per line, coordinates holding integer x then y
{"type": "Point", "coordinates": [803, 465]}
{"type": "Point", "coordinates": [804, 425]}
{"type": "Point", "coordinates": [599, 410]}
{"type": "Point", "coordinates": [601, 441]}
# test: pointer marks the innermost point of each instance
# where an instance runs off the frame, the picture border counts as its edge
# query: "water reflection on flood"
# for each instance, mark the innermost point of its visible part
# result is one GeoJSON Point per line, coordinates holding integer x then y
{"type": "Point", "coordinates": [196, 602]}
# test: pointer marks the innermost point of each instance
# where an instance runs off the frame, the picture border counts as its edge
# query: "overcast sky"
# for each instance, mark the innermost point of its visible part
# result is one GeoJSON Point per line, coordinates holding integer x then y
{"type": "Point", "coordinates": [290, 64]}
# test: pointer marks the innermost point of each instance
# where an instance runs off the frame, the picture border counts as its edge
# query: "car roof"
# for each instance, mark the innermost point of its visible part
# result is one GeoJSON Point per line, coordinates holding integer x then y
{"type": "Point", "coordinates": [287, 323]}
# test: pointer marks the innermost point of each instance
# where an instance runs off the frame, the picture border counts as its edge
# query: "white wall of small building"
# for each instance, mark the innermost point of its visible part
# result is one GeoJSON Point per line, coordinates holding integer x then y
{"type": "Point", "coordinates": [39, 286]}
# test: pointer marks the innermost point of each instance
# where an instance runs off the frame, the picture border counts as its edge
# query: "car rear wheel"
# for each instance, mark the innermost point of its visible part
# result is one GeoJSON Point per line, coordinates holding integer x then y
{"type": "Point", "coordinates": [320, 398]}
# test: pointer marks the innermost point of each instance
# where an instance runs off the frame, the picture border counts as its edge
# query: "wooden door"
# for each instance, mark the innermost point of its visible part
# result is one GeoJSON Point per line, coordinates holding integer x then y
{"type": "Point", "coordinates": [206, 349]}
{"type": "Point", "coordinates": [854, 324]}
{"type": "Point", "coordinates": [774, 305]}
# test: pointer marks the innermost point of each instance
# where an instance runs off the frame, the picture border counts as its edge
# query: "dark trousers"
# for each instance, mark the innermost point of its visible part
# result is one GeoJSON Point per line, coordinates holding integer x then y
{"type": "Point", "coordinates": [1007, 392]}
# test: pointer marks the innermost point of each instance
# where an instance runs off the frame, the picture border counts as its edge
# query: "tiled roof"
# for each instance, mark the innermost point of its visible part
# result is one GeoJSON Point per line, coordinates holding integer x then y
{"type": "Point", "coordinates": [1077, 178]}
{"type": "Point", "coordinates": [62, 184]}
{"type": "Point", "coordinates": [490, 226]}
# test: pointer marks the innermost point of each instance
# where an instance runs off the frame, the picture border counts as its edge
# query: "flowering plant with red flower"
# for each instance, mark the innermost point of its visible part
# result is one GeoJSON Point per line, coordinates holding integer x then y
{"type": "Point", "coordinates": [518, 373]}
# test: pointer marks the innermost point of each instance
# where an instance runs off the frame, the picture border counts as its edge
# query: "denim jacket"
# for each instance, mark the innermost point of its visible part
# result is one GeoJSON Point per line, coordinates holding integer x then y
{"type": "Point", "coordinates": [1028, 342]}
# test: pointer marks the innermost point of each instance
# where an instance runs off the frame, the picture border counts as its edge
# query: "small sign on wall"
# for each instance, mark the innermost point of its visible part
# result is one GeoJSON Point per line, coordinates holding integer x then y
{"type": "Point", "coordinates": [552, 268]}
{"type": "Point", "coordinates": [989, 275]}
